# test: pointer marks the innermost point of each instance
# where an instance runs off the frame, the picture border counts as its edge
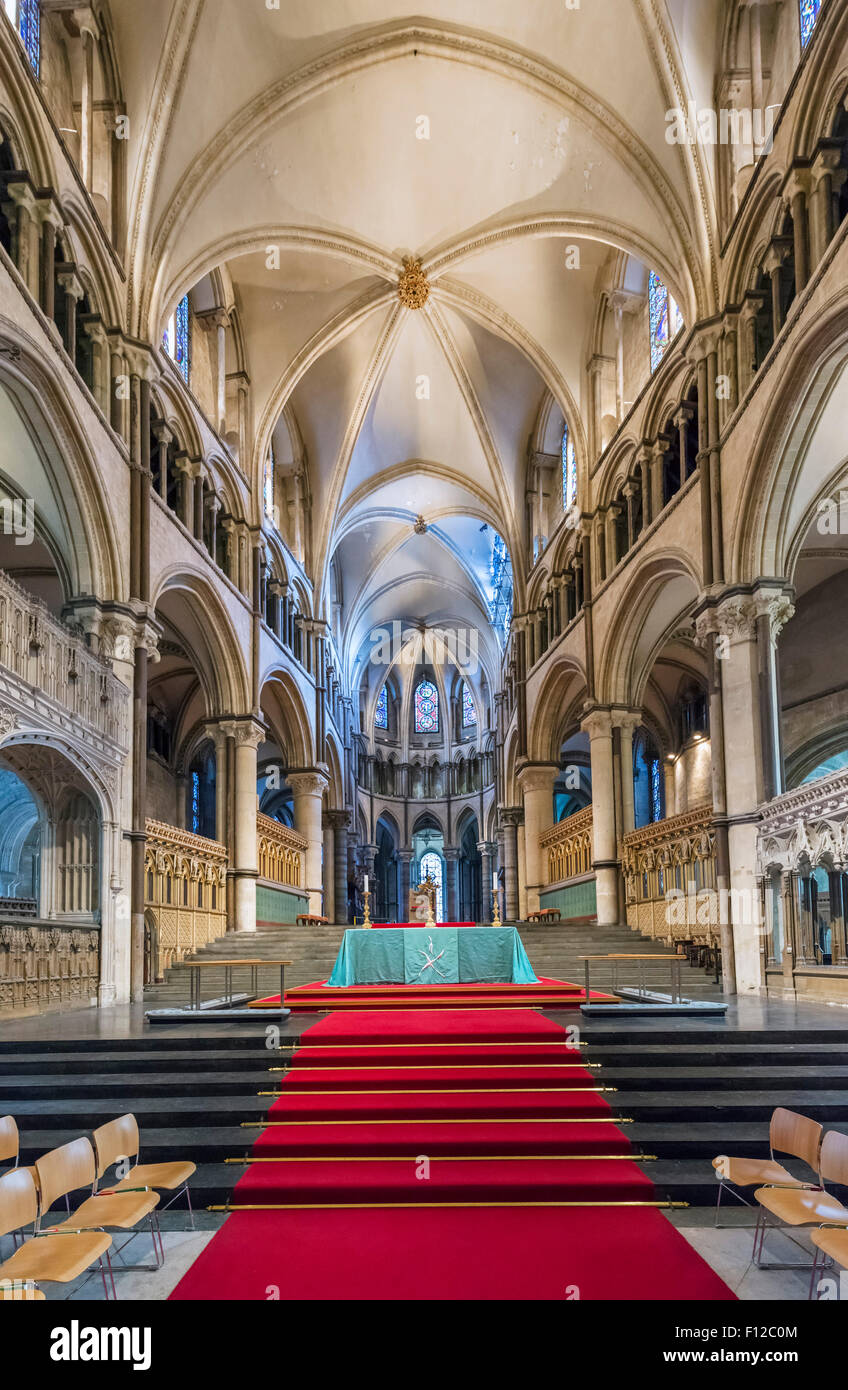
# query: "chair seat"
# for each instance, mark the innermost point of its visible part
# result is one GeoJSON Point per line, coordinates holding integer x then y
{"type": "Point", "coordinates": [801, 1208]}
{"type": "Point", "coordinates": [124, 1210]}
{"type": "Point", "coordinates": [834, 1243]}
{"type": "Point", "coordinates": [748, 1172]}
{"type": "Point", "coordinates": [55, 1259]}
{"type": "Point", "coordinates": [21, 1295]}
{"type": "Point", "coordinates": [167, 1175]}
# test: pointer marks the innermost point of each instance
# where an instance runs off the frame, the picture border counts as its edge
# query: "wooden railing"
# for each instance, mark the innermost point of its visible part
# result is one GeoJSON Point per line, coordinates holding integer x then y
{"type": "Point", "coordinates": [669, 876]}
{"type": "Point", "coordinates": [280, 851]}
{"type": "Point", "coordinates": [185, 896]}
{"type": "Point", "coordinates": [568, 847]}
{"type": "Point", "coordinates": [45, 654]}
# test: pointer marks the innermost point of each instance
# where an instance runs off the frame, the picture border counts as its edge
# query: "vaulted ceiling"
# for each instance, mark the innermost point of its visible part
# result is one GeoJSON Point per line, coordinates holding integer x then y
{"type": "Point", "coordinates": [486, 138]}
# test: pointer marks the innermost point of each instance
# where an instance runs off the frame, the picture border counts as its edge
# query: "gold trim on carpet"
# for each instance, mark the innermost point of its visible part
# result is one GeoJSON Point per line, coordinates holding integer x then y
{"type": "Point", "coordinates": [440, 1158]}
{"type": "Point", "coordinates": [347, 1206]}
{"type": "Point", "coordinates": [442, 1120]}
{"type": "Point", "coordinates": [449, 1091]}
{"type": "Point", "coordinates": [448, 1066]}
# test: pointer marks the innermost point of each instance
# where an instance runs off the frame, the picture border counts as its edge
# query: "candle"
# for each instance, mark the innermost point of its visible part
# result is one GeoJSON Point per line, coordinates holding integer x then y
{"type": "Point", "coordinates": [495, 882]}
{"type": "Point", "coordinates": [366, 883]}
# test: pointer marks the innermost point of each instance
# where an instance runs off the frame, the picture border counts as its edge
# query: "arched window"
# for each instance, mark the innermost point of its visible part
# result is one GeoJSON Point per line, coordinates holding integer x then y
{"type": "Point", "coordinates": [648, 782]}
{"type": "Point", "coordinates": [665, 318]}
{"type": "Point", "coordinates": [431, 865]}
{"type": "Point", "coordinates": [426, 708]}
{"type": "Point", "coordinates": [176, 339]}
{"type": "Point", "coordinates": [26, 17]}
{"type": "Point", "coordinates": [381, 713]}
{"type": "Point", "coordinates": [500, 604]}
{"type": "Point", "coordinates": [268, 483]}
{"type": "Point", "coordinates": [809, 15]}
{"type": "Point", "coordinates": [569, 471]}
{"type": "Point", "coordinates": [469, 713]}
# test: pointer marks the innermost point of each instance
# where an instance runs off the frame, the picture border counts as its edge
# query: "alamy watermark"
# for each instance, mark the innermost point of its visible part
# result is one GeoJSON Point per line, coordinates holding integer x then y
{"type": "Point", "coordinates": [408, 646]}
{"type": "Point", "coordinates": [17, 518]}
{"type": "Point", "coordinates": [727, 126]}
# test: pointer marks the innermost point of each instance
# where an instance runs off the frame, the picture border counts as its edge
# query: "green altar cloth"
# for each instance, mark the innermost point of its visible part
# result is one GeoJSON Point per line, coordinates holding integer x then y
{"type": "Point", "coordinates": [432, 956]}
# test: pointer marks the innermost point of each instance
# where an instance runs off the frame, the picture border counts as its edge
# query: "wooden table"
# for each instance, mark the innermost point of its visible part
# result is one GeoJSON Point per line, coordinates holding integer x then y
{"type": "Point", "coordinates": [195, 966]}
{"type": "Point", "coordinates": [673, 961]}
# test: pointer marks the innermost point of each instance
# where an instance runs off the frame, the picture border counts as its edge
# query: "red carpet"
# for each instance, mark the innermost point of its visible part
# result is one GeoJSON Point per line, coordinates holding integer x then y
{"type": "Point", "coordinates": [452, 1253]}
{"type": "Point", "coordinates": [553, 994]}
{"type": "Point", "coordinates": [452, 1154]}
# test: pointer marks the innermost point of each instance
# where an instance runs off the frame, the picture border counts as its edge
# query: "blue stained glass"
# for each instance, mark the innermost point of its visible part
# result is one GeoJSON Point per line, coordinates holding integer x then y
{"type": "Point", "coordinates": [381, 713]}
{"type": "Point", "coordinates": [182, 334]}
{"type": "Point", "coordinates": [29, 24]}
{"type": "Point", "coordinates": [195, 802]}
{"type": "Point", "coordinates": [569, 471]}
{"type": "Point", "coordinates": [431, 865]}
{"type": "Point", "coordinates": [656, 790]}
{"type": "Point", "coordinates": [426, 708]}
{"type": "Point", "coordinates": [809, 15]}
{"type": "Point", "coordinates": [469, 713]}
{"type": "Point", "coordinates": [665, 318]}
{"type": "Point", "coordinates": [500, 605]}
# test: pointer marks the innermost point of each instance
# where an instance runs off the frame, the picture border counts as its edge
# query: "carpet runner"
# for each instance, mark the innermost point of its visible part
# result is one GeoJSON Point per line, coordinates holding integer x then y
{"type": "Point", "coordinates": [455, 1154]}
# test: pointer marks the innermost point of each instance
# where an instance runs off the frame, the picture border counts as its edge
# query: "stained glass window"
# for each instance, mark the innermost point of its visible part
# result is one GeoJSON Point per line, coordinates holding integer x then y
{"type": "Point", "coordinates": [500, 604]}
{"type": "Point", "coordinates": [176, 339]}
{"type": "Point", "coordinates": [569, 471]}
{"type": "Point", "coordinates": [809, 15]}
{"type": "Point", "coordinates": [426, 708]}
{"type": "Point", "coordinates": [469, 713]}
{"type": "Point", "coordinates": [381, 713]}
{"type": "Point", "coordinates": [195, 802]}
{"type": "Point", "coordinates": [665, 318]}
{"type": "Point", "coordinates": [29, 24]}
{"type": "Point", "coordinates": [656, 790]}
{"type": "Point", "coordinates": [431, 864]}
{"type": "Point", "coordinates": [268, 485]}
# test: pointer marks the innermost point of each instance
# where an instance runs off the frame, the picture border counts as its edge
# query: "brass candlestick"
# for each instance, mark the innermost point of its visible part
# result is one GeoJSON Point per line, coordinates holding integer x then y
{"type": "Point", "coordinates": [496, 910]}
{"type": "Point", "coordinates": [366, 920]}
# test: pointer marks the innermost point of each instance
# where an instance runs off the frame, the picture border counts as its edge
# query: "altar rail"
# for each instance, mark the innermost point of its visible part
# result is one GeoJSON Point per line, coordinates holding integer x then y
{"type": "Point", "coordinates": [47, 965]}
{"type": "Point", "coordinates": [185, 898]}
{"type": "Point", "coordinates": [280, 851]}
{"type": "Point", "coordinates": [44, 653]}
{"type": "Point", "coordinates": [669, 876]}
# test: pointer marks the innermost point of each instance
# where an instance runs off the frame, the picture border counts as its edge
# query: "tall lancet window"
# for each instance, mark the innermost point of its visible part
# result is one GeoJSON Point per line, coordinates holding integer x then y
{"type": "Point", "coordinates": [809, 15]}
{"type": "Point", "coordinates": [431, 867]}
{"type": "Point", "coordinates": [269, 483]}
{"type": "Point", "coordinates": [381, 713]}
{"type": "Point", "coordinates": [26, 17]}
{"type": "Point", "coordinates": [176, 339]}
{"type": "Point", "coordinates": [426, 708]}
{"type": "Point", "coordinates": [569, 471]}
{"type": "Point", "coordinates": [500, 604]}
{"type": "Point", "coordinates": [665, 318]}
{"type": "Point", "coordinates": [469, 713]}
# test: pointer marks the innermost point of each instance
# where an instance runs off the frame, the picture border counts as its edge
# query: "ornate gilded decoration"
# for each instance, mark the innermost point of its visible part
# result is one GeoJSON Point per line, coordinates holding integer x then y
{"type": "Point", "coordinates": [413, 286]}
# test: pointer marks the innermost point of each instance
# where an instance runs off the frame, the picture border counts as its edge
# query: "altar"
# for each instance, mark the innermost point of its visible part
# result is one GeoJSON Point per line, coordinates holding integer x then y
{"type": "Point", "coordinates": [443, 955]}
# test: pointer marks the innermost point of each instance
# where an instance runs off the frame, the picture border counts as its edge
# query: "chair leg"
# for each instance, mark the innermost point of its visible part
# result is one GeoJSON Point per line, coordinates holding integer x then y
{"type": "Point", "coordinates": [190, 1208]}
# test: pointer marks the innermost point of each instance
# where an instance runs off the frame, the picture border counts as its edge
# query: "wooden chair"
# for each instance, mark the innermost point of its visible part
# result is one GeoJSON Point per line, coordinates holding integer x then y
{"type": "Point", "coordinates": [73, 1166]}
{"type": "Point", "coordinates": [44, 1258]}
{"type": "Point", "coordinates": [10, 1144]}
{"type": "Point", "coordinates": [119, 1139]}
{"type": "Point", "coordinates": [832, 1242]}
{"type": "Point", "coordinates": [789, 1133]}
{"type": "Point", "coordinates": [806, 1207]}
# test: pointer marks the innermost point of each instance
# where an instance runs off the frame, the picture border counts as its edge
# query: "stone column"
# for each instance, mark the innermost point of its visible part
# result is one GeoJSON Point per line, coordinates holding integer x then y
{"type": "Point", "coordinates": [308, 788]}
{"type": "Point", "coordinates": [658, 454]}
{"type": "Point", "coordinates": [598, 725]}
{"type": "Point", "coordinates": [828, 177]}
{"type": "Point", "coordinates": [89, 35]}
{"type": "Point", "coordinates": [452, 857]}
{"type": "Point", "coordinates": [51, 221]}
{"type": "Point", "coordinates": [488, 852]}
{"type": "Point", "coordinates": [405, 857]}
{"type": "Point", "coordinates": [248, 735]}
{"type": "Point", "coordinates": [219, 737]}
{"type": "Point", "coordinates": [73, 291]}
{"type": "Point", "coordinates": [20, 209]}
{"type": "Point", "coordinates": [796, 192]}
{"type": "Point", "coordinates": [643, 463]}
{"type": "Point", "coordinates": [772, 265]}
{"type": "Point", "coordinates": [628, 724]}
{"type": "Point", "coordinates": [341, 824]}
{"type": "Point", "coordinates": [510, 817]}
{"type": "Point", "coordinates": [328, 861]}
{"type": "Point", "coordinates": [536, 783]}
